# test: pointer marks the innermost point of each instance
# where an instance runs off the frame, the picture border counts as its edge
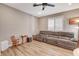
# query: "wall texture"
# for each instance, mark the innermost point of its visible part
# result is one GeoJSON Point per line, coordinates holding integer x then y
{"type": "Point", "coordinates": [43, 24]}
{"type": "Point", "coordinates": [13, 21]}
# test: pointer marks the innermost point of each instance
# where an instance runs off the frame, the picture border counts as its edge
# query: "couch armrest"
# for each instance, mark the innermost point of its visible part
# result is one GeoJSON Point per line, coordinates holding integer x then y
{"type": "Point", "coordinates": [73, 39]}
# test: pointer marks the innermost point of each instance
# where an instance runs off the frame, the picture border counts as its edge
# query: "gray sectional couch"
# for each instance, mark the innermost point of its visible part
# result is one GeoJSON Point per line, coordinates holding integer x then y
{"type": "Point", "coordinates": [61, 39]}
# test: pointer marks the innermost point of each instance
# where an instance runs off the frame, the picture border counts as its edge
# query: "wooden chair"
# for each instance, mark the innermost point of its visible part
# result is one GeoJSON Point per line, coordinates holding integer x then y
{"type": "Point", "coordinates": [14, 41]}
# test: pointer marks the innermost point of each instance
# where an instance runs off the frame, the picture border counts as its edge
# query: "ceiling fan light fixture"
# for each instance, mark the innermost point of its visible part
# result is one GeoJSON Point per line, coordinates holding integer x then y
{"type": "Point", "coordinates": [43, 7]}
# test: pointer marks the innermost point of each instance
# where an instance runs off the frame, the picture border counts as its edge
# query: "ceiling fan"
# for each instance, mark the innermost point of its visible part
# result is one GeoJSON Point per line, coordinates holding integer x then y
{"type": "Point", "coordinates": [44, 5]}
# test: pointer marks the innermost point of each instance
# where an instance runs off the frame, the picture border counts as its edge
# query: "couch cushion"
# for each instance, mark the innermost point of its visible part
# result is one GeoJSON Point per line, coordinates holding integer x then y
{"type": "Point", "coordinates": [51, 41]}
{"type": "Point", "coordinates": [66, 44]}
{"type": "Point", "coordinates": [64, 38]}
{"type": "Point", "coordinates": [65, 34]}
{"type": "Point", "coordinates": [53, 36]}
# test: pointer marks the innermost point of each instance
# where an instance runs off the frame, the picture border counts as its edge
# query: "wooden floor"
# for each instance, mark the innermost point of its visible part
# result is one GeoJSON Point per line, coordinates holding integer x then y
{"type": "Point", "coordinates": [36, 48]}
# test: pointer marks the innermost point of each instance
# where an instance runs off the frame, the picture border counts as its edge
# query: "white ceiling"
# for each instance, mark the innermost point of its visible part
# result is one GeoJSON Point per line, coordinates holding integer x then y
{"type": "Point", "coordinates": [37, 11]}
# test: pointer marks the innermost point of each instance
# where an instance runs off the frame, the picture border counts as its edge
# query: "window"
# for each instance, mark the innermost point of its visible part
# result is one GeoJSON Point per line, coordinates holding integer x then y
{"type": "Point", "coordinates": [51, 24]}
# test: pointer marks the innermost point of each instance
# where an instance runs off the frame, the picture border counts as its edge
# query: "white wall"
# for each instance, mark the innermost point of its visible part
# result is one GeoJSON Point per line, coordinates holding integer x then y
{"type": "Point", "coordinates": [13, 22]}
{"type": "Point", "coordinates": [67, 27]}
{"type": "Point", "coordinates": [43, 24]}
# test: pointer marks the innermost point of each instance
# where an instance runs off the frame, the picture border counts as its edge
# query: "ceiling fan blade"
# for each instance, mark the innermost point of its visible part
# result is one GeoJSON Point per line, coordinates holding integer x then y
{"type": "Point", "coordinates": [51, 5]}
{"type": "Point", "coordinates": [34, 5]}
{"type": "Point", "coordinates": [43, 5]}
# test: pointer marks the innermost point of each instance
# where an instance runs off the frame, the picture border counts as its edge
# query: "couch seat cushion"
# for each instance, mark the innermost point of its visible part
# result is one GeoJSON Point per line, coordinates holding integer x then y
{"type": "Point", "coordinates": [66, 44]}
{"type": "Point", "coordinates": [52, 41]}
{"type": "Point", "coordinates": [53, 36]}
{"type": "Point", "coordinates": [62, 37]}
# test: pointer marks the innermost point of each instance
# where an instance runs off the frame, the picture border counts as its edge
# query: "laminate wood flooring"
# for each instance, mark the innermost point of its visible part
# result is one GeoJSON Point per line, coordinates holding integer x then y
{"type": "Point", "coordinates": [36, 48]}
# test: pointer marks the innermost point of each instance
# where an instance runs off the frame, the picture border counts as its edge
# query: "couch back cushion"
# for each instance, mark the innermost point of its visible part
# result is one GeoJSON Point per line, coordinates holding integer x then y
{"type": "Point", "coordinates": [49, 33]}
{"type": "Point", "coordinates": [67, 34]}
{"type": "Point", "coordinates": [64, 34]}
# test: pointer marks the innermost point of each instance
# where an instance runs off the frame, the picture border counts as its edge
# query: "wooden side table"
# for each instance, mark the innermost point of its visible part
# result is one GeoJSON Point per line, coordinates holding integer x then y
{"type": "Point", "coordinates": [24, 38]}
{"type": "Point", "coordinates": [29, 39]}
